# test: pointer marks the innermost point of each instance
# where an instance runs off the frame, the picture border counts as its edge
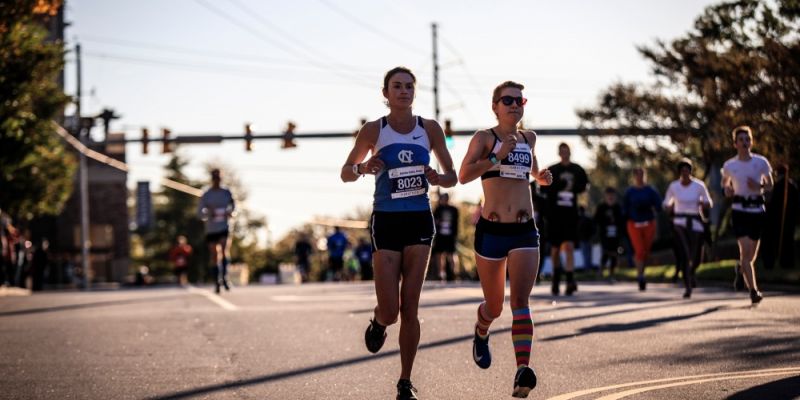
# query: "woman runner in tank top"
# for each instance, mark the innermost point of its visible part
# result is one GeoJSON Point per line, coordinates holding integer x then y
{"type": "Point", "coordinates": [685, 200]}
{"type": "Point", "coordinates": [402, 225]}
{"type": "Point", "coordinates": [506, 235]}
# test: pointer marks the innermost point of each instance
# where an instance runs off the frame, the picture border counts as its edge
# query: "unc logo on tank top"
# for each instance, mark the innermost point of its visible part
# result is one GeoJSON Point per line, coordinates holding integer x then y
{"type": "Point", "coordinates": [406, 156]}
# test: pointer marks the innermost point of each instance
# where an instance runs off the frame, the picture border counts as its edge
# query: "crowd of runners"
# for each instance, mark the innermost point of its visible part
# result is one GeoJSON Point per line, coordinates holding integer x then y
{"type": "Point", "coordinates": [396, 150]}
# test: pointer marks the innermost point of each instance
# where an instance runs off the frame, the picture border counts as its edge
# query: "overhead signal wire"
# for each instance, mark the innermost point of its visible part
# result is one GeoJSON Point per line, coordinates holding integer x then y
{"type": "Point", "coordinates": [230, 70]}
{"type": "Point", "coordinates": [284, 47]}
{"type": "Point", "coordinates": [207, 53]}
{"type": "Point", "coordinates": [367, 26]}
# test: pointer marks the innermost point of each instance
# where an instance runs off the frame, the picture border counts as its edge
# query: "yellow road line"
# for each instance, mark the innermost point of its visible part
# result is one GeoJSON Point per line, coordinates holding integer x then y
{"type": "Point", "coordinates": [585, 392]}
{"type": "Point", "coordinates": [627, 393]}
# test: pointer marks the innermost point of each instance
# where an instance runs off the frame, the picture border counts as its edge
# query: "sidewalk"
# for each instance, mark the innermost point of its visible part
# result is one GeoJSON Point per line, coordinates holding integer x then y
{"type": "Point", "coordinates": [13, 291]}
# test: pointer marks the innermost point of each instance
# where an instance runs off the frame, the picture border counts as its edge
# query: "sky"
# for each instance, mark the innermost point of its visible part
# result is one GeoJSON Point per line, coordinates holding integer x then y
{"type": "Point", "coordinates": [210, 66]}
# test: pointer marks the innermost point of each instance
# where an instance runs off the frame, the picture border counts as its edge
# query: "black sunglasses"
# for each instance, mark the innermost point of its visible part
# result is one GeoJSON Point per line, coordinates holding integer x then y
{"type": "Point", "coordinates": [507, 100]}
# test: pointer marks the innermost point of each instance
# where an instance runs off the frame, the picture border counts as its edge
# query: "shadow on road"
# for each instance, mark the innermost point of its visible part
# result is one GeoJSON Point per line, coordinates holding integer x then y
{"type": "Point", "coordinates": [445, 342]}
{"type": "Point", "coordinates": [604, 328]}
{"type": "Point", "coordinates": [70, 307]}
{"type": "Point", "coordinates": [788, 388]}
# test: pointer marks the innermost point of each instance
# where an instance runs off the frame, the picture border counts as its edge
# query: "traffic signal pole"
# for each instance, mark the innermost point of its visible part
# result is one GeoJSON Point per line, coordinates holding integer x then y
{"type": "Point", "coordinates": [83, 178]}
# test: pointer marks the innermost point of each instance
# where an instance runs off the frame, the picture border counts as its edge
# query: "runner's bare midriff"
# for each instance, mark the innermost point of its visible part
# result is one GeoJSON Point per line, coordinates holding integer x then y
{"type": "Point", "coordinates": [506, 199]}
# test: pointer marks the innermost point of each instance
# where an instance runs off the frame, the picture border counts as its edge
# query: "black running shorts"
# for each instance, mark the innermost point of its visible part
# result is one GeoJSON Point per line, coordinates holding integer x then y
{"type": "Point", "coordinates": [747, 224]}
{"type": "Point", "coordinates": [562, 226]}
{"type": "Point", "coordinates": [217, 236]}
{"type": "Point", "coordinates": [396, 230]}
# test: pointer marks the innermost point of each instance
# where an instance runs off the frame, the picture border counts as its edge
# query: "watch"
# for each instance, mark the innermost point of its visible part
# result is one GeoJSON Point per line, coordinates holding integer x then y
{"type": "Point", "coordinates": [355, 169]}
{"type": "Point", "coordinates": [493, 158]}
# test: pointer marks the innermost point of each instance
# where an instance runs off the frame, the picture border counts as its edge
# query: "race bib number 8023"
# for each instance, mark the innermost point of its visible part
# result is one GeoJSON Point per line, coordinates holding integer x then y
{"type": "Point", "coordinates": [408, 181]}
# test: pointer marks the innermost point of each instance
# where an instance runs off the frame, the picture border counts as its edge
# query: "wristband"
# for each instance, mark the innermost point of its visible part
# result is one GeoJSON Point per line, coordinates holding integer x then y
{"type": "Point", "coordinates": [493, 158]}
{"type": "Point", "coordinates": [356, 168]}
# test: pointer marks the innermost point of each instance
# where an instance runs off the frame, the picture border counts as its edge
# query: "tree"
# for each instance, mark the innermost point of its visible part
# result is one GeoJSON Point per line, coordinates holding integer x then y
{"type": "Point", "coordinates": [174, 215]}
{"type": "Point", "coordinates": [244, 225]}
{"type": "Point", "coordinates": [35, 169]}
{"type": "Point", "coordinates": [740, 65]}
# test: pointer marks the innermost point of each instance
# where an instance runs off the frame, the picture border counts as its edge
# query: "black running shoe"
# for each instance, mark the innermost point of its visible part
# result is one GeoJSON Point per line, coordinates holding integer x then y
{"type": "Point", "coordinates": [524, 382]}
{"type": "Point", "coordinates": [225, 284]}
{"type": "Point", "coordinates": [755, 297]}
{"type": "Point", "coordinates": [642, 285]}
{"type": "Point", "coordinates": [216, 290]}
{"type": "Point", "coordinates": [554, 288]}
{"type": "Point", "coordinates": [480, 351]}
{"type": "Point", "coordinates": [572, 287]}
{"type": "Point", "coordinates": [687, 294]}
{"type": "Point", "coordinates": [374, 336]}
{"type": "Point", "coordinates": [406, 391]}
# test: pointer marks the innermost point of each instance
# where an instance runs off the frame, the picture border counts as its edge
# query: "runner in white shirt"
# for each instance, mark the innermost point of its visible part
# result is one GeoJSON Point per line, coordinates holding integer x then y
{"type": "Point", "coordinates": [745, 178]}
{"type": "Point", "coordinates": [685, 200]}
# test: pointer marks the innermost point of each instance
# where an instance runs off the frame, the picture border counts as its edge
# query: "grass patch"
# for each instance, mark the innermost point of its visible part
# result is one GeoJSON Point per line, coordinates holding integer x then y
{"type": "Point", "coordinates": [716, 271]}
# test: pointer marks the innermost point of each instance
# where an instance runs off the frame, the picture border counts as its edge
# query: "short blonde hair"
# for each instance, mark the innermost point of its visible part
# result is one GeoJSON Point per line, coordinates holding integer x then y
{"type": "Point", "coordinates": [739, 129]}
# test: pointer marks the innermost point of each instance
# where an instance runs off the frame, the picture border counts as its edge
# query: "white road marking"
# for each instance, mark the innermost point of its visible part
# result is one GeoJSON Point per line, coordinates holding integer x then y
{"type": "Point", "coordinates": [213, 297]}
{"type": "Point", "coordinates": [291, 298]}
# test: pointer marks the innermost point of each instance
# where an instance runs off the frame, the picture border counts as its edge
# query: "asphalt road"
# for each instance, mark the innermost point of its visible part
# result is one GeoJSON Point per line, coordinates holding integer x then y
{"type": "Point", "coordinates": [306, 342]}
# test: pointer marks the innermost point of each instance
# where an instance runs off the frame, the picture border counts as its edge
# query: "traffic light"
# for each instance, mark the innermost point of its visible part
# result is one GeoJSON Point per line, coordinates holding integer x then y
{"type": "Point", "coordinates": [145, 140]}
{"type": "Point", "coordinates": [166, 148]}
{"type": "Point", "coordinates": [248, 138]}
{"type": "Point", "coordinates": [448, 134]}
{"type": "Point", "coordinates": [288, 136]}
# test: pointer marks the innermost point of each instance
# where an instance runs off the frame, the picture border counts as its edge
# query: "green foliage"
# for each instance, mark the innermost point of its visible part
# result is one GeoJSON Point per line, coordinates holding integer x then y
{"type": "Point", "coordinates": [174, 214]}
{"type": "Point", "coordinates": [35, 169]}
{"type": "Point", "coordinates": [244, 225]}
{"type": "Point", "coordinates": [739, 65]}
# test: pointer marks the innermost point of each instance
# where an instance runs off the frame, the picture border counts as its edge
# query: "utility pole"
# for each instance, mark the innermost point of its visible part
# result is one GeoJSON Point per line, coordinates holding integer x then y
{"type": "Point", "coordinates": [435, 75]}
{"type": "Point", "coordinates": [83, 177]}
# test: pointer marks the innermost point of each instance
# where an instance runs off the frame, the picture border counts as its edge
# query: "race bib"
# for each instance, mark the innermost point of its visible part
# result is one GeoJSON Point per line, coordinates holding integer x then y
{"type": "Point", "coordinates": [611, 231]}
{"type": "Point", "coordinates": [445, 228]}
{"type": "Point", "coordinates": [220, 214]}
{"type": "Point", "coordinates": [517, 165]}
{"type": "Point", "coordinates": [408, 181]}
{"type": "Point", "coordinates": [566, 199]}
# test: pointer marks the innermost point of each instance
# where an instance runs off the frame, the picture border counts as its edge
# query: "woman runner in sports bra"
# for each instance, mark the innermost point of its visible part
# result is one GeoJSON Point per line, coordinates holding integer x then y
{"type": "Point", "coordinates": [506, 235]}
{"type": "Point", "coordinates": [402, 223]}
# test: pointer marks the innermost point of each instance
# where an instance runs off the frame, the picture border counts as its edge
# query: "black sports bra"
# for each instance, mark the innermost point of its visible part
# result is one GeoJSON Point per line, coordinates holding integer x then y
{"type": "Point", "coordinates": [517, 165]}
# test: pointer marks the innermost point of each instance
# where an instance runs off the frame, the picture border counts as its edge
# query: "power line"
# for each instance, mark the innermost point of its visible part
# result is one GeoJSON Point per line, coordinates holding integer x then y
{"type": "Point", "coordinates": [369, 27]}
{"type": "Point", "coordinates": [280, 45]}
{"type": "Point", "coordinates": [478, 88]}
{"type": "Point", "coordinates": [286, 35]}
{"type": "Point", "coordinates": [230, 70]}
{"type": "Point", "coordinates": [205, 53]}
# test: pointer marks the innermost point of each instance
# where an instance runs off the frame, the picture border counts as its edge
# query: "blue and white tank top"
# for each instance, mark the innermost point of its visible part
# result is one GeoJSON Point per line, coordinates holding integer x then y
{"type": "Point", "coordinates": [517, 165]}
{"type": "Point", "coordinates": [401, 185]}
